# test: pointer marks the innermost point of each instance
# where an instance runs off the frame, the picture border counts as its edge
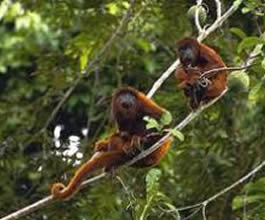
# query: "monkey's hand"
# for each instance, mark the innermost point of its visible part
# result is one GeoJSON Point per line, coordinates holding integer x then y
{"type": "Point", "coordinates": [134, 145]}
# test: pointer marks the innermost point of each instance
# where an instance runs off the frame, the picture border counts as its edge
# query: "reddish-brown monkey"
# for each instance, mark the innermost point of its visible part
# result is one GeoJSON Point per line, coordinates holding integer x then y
{"type": "Point", "coordinates": [197, 58]}
{"type": "Point", "coordinates": [129, 106]}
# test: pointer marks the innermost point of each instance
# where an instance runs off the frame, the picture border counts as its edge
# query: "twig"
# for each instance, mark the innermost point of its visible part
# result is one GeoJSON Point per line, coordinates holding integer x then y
{"type": "Point", "coordinates": [62, 101]}
{"type": "Point", "coordinates": [192, 214]}
{"type": "Point", "coordinates": [208, 74]}
{"type": "Point", "coordinates": [204, 211]}
{"type": "Point", "coordinates": [218, 8]}
{"type": "Point", "coordinates": [203, 35]}
{"type": "Point", "coordinates": [197, 16]}
{"type": "Point", "coordinates": [162, 78]}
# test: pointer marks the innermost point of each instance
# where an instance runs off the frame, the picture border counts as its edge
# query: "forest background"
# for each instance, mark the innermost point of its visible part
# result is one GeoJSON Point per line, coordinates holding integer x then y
{"type": "Point", "coordinates": [60, 61]}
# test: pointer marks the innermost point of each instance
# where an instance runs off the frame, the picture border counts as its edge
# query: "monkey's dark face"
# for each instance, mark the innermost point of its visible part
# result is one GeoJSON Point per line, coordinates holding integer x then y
{"type": "Point", "coordinates": [187, 55]}
{"type": "Point", "coordinates": [126, 106]}
{"type": "Point", "coordinates": [189, 51]}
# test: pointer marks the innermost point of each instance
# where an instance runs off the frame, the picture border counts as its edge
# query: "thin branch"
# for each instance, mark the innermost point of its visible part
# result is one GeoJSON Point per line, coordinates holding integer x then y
{"type": "Point", "coordinates": [62, 101]}
{"type": "Point", "coordinates": [197, 16]}
{"type": "Point", "coordinates": [218, 8]}
{"type": "Point", "coordinates": [203, 35]}
{"type": "Point", "coordinates": [162, 78]}
{"type": "Point", "coordinates": [43, 202]}
{"type": "Point", "coordinates": [192, 214]}
{"type": "Point", "coordinates": [208, 74]}
{"type": "Point", "coordinates": [204, 211]}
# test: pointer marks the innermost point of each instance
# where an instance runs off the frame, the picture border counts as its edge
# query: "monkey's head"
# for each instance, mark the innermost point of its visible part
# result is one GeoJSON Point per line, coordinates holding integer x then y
{"type": "Point", "coordinates": [125, 104]}
{"type": "Point", "coordinates": [189, 51]}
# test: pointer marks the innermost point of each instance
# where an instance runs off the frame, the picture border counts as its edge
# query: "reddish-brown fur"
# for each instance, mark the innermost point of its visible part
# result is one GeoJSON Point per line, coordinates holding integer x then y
{"type": "Point", "coordinates": [197, 58]}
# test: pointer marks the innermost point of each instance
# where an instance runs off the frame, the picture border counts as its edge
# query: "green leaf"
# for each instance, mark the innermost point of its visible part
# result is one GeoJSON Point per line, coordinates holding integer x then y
{"type": "Point", "coordinates": [238, 32]}
{"type": "Point", "coordinates": [83, 59]}
{"type": "Point", "coordinates": [150, 64]}
{"type": "Point", "coordinates": [254, 193]}
{"type": "Point", "coordinates": [240, 78]}
{"type": "Point", "coordinates": [263, 63]}
{"type": "Point", "coordinates": [113, 8]}
{"type": "Point", "coordinates": [248, 43]}
{"type": "Point", "coordinates": [151, 123]}
{"type": "Point", "coordinates": [166, 118]}
{"type": "Point", "coordinates": [256, 93]}
{"type": "Point", "coordinates": [145, 45]}
{"type": "Point", "coordinates": [178, 134]}
{"type": "Point", "coordinates": [152, 182]}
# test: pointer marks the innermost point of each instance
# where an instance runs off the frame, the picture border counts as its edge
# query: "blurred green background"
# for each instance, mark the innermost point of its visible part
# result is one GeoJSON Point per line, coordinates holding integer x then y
{"type": "Point", "coordinates": [48, 47]}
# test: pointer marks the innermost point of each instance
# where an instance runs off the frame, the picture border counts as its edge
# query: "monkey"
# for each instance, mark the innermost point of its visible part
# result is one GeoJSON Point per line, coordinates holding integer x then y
{"type": "Point", "coordinates": [129, 106]}
{"type": "Point", "coordinates": [197, 58]}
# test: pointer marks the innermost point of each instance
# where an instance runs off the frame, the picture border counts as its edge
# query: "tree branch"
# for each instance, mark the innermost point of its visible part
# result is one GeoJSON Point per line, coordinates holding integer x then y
{"type": "Point", "coordinates": [212, 72]}
{"type": "Point", "coordinates": [197, 16]}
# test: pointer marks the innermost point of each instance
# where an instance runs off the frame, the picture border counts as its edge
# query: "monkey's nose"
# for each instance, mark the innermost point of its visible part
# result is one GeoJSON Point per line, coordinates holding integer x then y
{"type": "Point", "coordinates": [125, 105]}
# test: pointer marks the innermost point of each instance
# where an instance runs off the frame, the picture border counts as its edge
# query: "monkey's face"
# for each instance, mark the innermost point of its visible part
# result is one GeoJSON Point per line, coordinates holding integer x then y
{"type": "Point", "coordinates": [187, 55]}
{"type": "Point", "coordinates": [126, 106]}
{"type": "Point", "coordinates": [189, 51]}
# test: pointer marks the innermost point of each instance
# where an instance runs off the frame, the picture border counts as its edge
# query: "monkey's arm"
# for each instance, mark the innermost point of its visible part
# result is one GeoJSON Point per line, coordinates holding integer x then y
{"type": "Point", "coordinates": [97, 161]}
{"type": "Point", "coordinates": [217, 86]}
{"type": "Point", "coordinates": [149, 107]}
{"type": "Point", "coordinates": [182, 78]}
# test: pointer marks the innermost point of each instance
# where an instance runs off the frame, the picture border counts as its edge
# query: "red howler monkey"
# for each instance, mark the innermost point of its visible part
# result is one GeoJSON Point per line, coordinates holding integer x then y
{"type": "Point", "coordinates": [197, 58]}
{"type": "Point", "coordinates": [129, 106]}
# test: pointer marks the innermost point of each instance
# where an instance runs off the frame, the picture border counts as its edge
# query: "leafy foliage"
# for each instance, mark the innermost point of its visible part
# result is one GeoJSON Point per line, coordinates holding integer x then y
{"type": "Point", "coordinates": [48, 47]}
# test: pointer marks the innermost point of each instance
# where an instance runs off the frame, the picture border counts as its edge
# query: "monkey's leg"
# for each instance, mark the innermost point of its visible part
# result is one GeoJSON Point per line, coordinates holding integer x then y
{"type": "Point", "coordinates": [218, 85]}
{"type": "Point", "coordinates": [156, 156]}
{"type": "Point", "coordinates": [198, 94]}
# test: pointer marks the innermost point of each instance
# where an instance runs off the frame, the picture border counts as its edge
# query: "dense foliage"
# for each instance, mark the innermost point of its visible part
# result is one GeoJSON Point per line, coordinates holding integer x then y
{"type": "Point", "coordinates": [49, 48]}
